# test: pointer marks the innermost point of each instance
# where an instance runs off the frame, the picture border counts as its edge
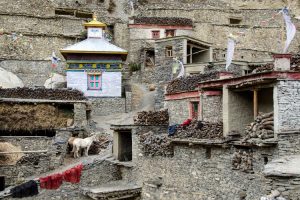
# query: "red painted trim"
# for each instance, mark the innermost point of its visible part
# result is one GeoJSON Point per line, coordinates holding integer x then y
{"type": "Point", "coordinates": [238, 80]}
{"type": "Point", "coordinates": [212, 93]}
{"type": "Point", "coordinates": [185, 95]}
{"type": "Point", "coordinates": [289, 56]}
{"type": "Point", "coordinates": [149, 26]}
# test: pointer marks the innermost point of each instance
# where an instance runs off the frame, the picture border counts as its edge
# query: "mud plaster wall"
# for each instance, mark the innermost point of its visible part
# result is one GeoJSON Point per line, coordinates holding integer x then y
{"type": "Point", "coordinates": [33, 117]}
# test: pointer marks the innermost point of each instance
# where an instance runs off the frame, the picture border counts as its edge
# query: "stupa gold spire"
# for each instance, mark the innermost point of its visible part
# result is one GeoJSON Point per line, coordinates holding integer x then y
{"type": "Point", "coordinates": [94, 23]}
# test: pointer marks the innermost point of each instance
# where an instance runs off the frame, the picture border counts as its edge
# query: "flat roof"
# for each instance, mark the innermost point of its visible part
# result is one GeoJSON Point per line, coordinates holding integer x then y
{"type": "Point", "coordinates": [185, 37]}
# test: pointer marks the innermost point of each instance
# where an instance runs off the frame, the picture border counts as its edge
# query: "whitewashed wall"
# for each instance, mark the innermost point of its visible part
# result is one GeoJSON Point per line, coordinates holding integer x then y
{"type": "Point", "coordinates": [111, 84]}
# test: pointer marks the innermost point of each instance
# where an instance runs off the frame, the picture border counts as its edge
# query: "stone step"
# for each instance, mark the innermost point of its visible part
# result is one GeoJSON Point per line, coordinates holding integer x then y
{"type": "Point", "coordinates": [113, 191]}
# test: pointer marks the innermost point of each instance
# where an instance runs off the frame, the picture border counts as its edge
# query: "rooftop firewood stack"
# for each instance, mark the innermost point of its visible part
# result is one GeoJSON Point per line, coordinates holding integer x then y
{"type": "Point", "coordinates": [264, 68]}
{"type": "Point", "coordinates": [156, 145]}
{"type": "Point", "coordinates": [201, 130]}
{"type": "Point", "coordinates": [189, 83]}
{"type": "Point", "coordinates": [262, 127]}
{"type": "Point", "coordinates": [152, 118]}
{"type": "Point", "coordinates": [42, 93]}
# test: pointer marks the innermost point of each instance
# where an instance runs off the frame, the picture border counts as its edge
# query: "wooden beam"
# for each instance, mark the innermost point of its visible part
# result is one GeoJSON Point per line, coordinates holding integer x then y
{"type": "Point", "coordinates": [255, 103]}
{"type": "Point", "coordinates": [13, 152]}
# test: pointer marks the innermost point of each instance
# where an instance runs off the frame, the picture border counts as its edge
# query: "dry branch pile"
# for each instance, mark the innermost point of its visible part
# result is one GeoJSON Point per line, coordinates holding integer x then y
{"type": "Point", "coordinates": [152, 118]}
{"type": "Point", "coordinates": [41, 93]}
{"type": "Point", "coordinates": [164, 21]}
{"type": "Point", "coordinates": [32, 117]}
{"type": "Point", "coordinates": [156, 145]}
{"type": "Point", "coordinates": [262, 127]}
{"type": "Point", "coordinates": [264, 68]}
{"type": "Point", "coordinates": [99, 145]}
{"type": "Point", "coordinates": [9, 159]}
{"type": "Point", "coordinates": [242, 160]}
{"type": "Point", "coordinates": [201, 130]}
{"type": "Point", "coordinates": [189, 83]}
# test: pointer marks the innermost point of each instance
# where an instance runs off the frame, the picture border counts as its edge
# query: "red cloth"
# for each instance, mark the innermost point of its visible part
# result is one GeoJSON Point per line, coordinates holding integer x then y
{"type": "Point", "coordinates": [73, 175]}
{"type": "Point", "coordinates": [186, 122]}
{"type": "Point", "coordinates": [51, 182]}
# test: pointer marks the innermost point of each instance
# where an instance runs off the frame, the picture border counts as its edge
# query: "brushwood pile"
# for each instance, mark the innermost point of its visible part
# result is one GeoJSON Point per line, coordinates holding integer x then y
{"type": "Point", "coordinates": [189, 83]}
{"type": "Point", "coordinates": [200, 130]}
{"type": "Point", "coordinates": [42, 93]}
{"type": "Point", "coordinates": [152, 118]}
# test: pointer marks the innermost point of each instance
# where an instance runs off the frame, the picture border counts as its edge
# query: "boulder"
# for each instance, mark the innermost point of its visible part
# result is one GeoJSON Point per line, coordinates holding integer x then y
{"type": "Point", "coordinates": [9, 79]}
{"type": "Point", "coordinates": [287, 166]}
{"type": "Point", "coordinates": [56, 81]}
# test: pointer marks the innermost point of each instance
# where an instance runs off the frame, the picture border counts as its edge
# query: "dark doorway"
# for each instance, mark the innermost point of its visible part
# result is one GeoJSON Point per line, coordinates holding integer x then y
{"type": "Point", "coordinates": [125, 146]}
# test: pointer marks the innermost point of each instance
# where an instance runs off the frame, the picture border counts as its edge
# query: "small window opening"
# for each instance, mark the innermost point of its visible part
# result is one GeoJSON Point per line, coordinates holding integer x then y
{"type": "Point", "coordinates": [155, 34]}
{"type": "Point", "coordinates": [242, 57]}
{"type": "Point", "coordinates": [170, 33]}
{"type": "Point", "coordinates": [208, 153]}
{"type": "Point", "coordinates": [266, 160]}
{"type": "Point", "coordinates": [194, 109]}
{"type": "Point", "coordinates": [2, 183]}
{"type": "Point", "coordinates": [246, 71]}
{"type": "Point", "coordinates": [64, 12]}
{"type": "Point", "coordinates": [169, 51]}
{"type": "Point", "coordinates": [234, 21]}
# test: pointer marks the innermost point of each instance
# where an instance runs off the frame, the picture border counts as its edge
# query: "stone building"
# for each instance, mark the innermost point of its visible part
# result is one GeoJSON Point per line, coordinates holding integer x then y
{"type": "Point", "coordinates": [35, 131]}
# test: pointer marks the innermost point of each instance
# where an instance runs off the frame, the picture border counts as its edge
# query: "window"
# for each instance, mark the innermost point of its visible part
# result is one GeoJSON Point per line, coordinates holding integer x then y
{"type": "Point", "coordinates": [169, 51]}
{"type": "Point", "coordinates": [194, 109]}
{"type": "Point", "coordinates": [235, 21]}
{"type": "Point", "coordinates": [94, 82]}
{"type": "Point", "coordinates": [170, 33]}
{"type": "Point", "coordinates": [155, 34]}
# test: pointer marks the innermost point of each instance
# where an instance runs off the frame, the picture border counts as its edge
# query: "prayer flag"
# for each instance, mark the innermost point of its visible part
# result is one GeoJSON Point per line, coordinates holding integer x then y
{"type": "Point", "coordinates": [290, 29]}
{"type": "Point", "coordinates": [230, 52]}
{"type": "Point", "coordinates": [54, 60]}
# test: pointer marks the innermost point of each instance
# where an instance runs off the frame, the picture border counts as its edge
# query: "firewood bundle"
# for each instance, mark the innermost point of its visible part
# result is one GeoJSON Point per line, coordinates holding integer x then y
{"type": "Point", "coordinates": [152, 118]}
{"type": "Point", "coordinates": [262, 127]}
{"type": "Point", "coordinates": [155, 145]}
{"type": "Point", "coordinates": [189, 83]}
{"type": "Point", "coordinates": [295, 60]}
{"type": "Point", "coordinates": [242, 160]}
{"type": "Point", "coordinates": [99, 145]}
{"type": "Point", "coordinates": [201, 130]}
{"type": "Point", "coordinates": [264, 68]}
{"type": "Point", "coordinates": [42, 93]}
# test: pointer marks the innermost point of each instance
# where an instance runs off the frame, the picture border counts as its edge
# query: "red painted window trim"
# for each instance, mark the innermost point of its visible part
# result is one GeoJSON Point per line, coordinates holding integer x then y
{"type": "Point", "coordinates": [90, 81]}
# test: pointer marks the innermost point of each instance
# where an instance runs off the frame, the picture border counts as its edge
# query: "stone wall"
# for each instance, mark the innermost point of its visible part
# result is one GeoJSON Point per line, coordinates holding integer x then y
{"type": "Point", "coordinates": [196, 171]}
{"type": "Point", "coordinates": [94, 174]}
{"type": "Point", "coordinates": [178, 110]}
{"type": "Point", "coordinates": [109, 106]}
{"type": "Point", "coordinates": [32, 73]}
{"type": "Point", "coordinates": [212, 108]}
{"type": "Point", "coordinates": [286, 106]}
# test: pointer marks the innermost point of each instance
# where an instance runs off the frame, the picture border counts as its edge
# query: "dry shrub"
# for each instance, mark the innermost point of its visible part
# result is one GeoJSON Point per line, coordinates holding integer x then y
{"type": "Point", "coordinates": [9, 159]}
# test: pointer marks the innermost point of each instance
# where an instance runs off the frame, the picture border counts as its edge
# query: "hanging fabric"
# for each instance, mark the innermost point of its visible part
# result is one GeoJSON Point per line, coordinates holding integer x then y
{"type": "Point", "coordinates": [73, 175]}
{"type": "Point", "coordinates": [230, 51]}
{"type": "Point", "coordinates": [27, 189]}
{"type": "Point", "coordinates": [51, 182]}
{"type": "Point", "coordinates": [290, 29]}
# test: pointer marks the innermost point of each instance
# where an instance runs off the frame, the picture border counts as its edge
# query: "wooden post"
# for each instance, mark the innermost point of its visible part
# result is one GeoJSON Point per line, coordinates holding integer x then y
{"type": "Point", "coordinates": [255, 103]}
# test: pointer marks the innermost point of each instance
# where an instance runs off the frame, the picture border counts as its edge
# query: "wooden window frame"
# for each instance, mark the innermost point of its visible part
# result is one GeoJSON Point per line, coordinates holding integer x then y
{"type": "Point", "coordinates": [170, 30]}
{"type": "Point", "coordinates": [92, 80]}
{"type": "Point", "coordinates": [193, 113]}
{"type": "Point", "coordinates": [169, 51]}
{"type": "Point", "coordinates": [156, 34]}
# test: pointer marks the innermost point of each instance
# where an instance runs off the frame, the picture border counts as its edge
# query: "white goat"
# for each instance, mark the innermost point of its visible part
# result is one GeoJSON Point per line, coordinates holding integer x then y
{"type": "Point", "coordinates": [85, 143]}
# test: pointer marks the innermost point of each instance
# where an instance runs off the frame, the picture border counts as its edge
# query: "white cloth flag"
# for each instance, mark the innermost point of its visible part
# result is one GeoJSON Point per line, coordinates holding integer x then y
{"type": "Point", "coordinates": [230, 52]}
{"type": "Point", "coordinates": [290, 29]}
{"type": "Point", "coordinates": [181, 73]}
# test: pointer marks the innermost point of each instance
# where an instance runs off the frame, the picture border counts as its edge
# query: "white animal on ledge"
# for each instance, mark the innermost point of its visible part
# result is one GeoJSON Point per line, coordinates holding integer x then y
{"type": "Point", "coordinates": [79, 143]}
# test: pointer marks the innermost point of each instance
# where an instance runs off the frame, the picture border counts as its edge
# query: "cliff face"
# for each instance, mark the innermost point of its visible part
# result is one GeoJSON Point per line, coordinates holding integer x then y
{"type": "Point", "coordinates": [32, 30]}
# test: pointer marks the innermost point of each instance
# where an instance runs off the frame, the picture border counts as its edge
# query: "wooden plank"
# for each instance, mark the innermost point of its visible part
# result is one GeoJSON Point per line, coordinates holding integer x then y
{"type": "Point", "coordinates": [13, 152]}
{"type": "Point", "coordinates": [255, 103]}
